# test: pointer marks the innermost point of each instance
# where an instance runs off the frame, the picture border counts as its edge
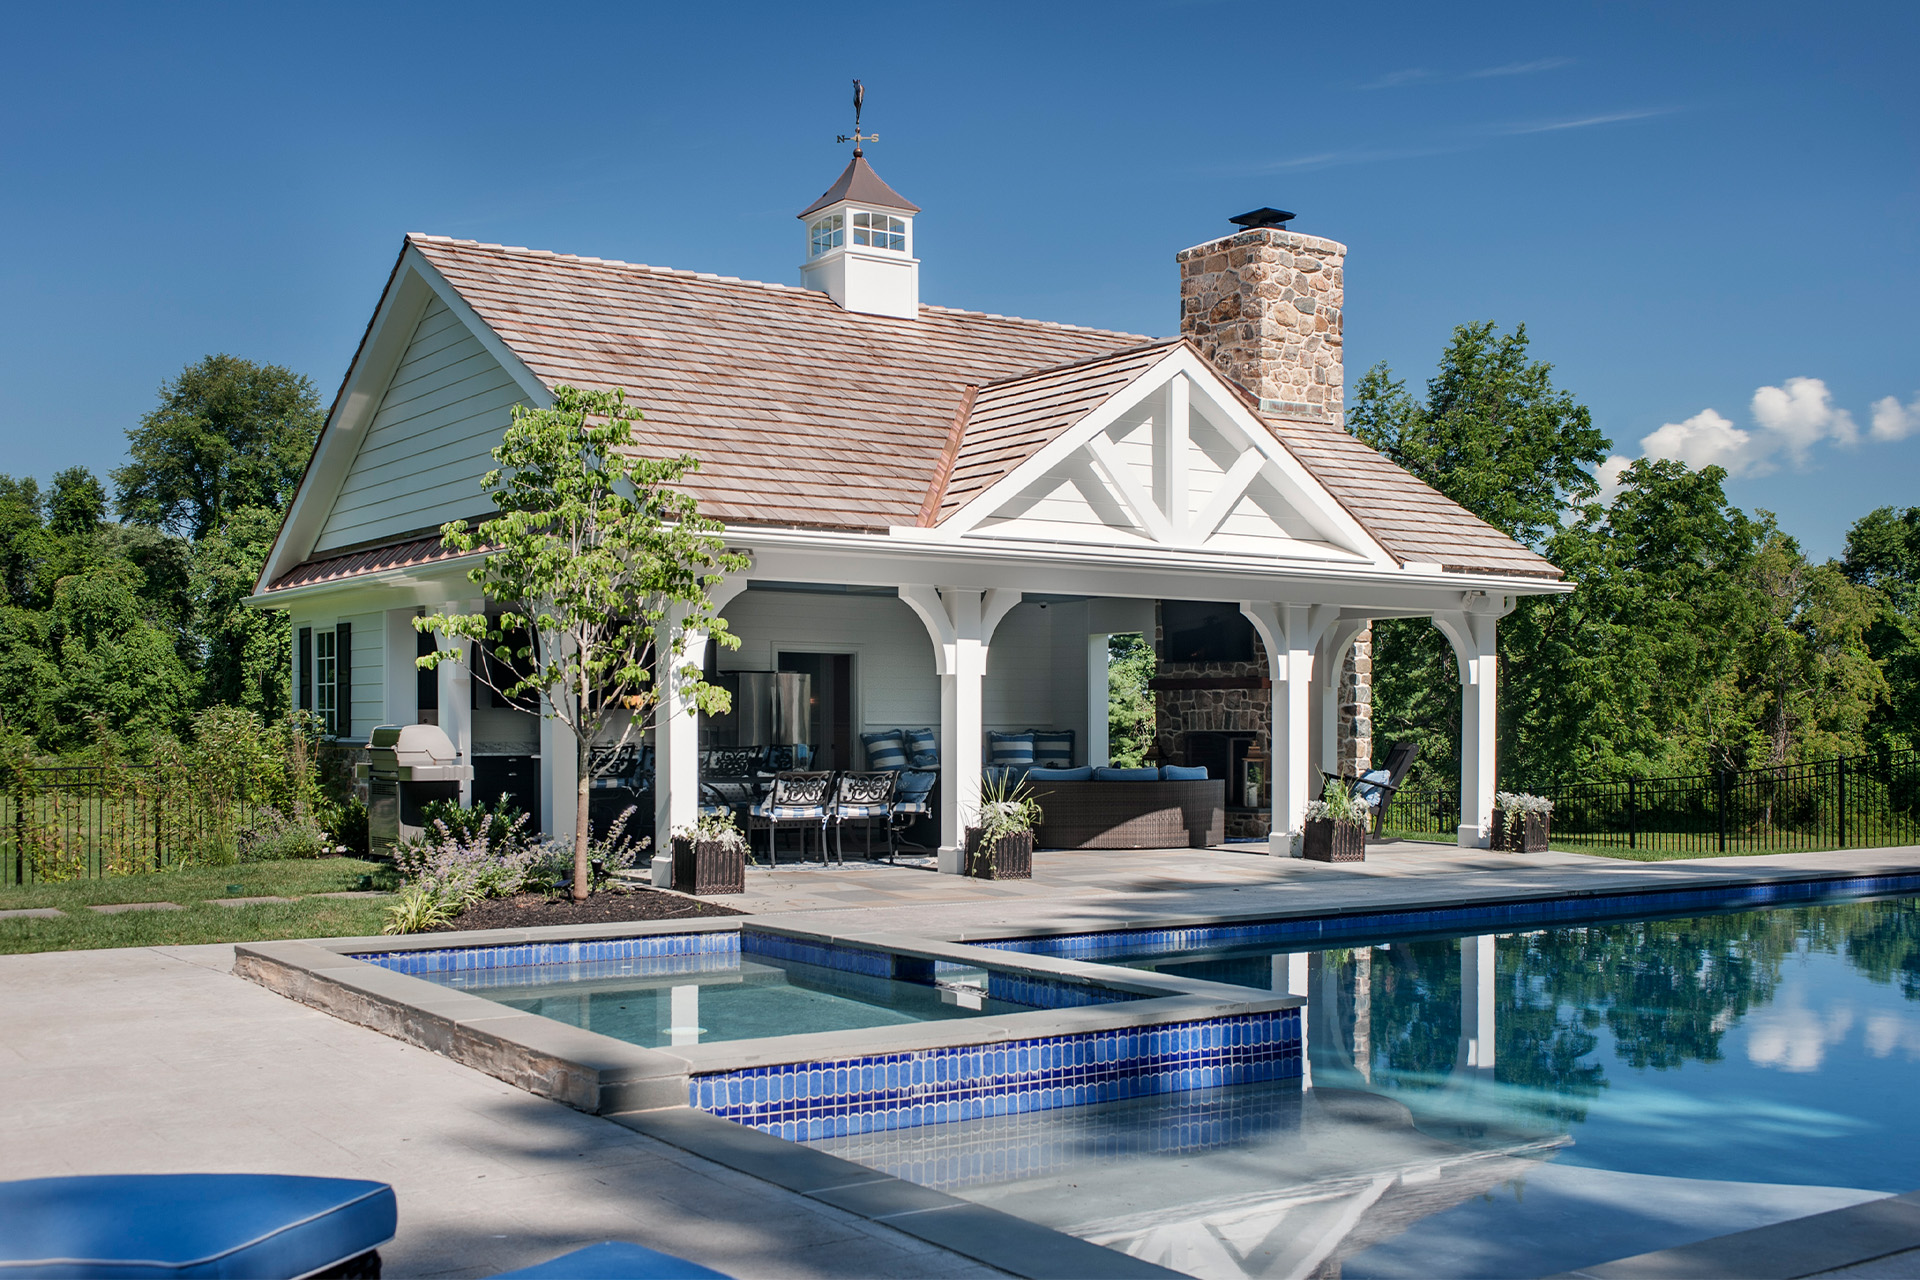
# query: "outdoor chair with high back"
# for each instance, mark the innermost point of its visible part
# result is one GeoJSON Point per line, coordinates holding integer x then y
{"type": "Point", "coordinates": [799, 800]}
{"type": "Point", "coordinates": [865, 798]}
{"type": "Point", "coordinates": [1377, 787]}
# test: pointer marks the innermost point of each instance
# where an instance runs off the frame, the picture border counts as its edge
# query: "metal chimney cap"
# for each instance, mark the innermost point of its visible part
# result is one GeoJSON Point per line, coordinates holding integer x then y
{"type": "Point", "coordinates": [1263, 218]}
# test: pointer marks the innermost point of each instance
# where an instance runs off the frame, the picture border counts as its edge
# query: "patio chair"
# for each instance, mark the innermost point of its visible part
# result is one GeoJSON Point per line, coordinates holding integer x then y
{"type": "Point", "coordinates": [912, 801]}
{"type": "Point", "coordinates": [864, 798]}
{"type": "Point", "coordinates": [797, 799]}
{"type": "Point", "coordinates": [194, 1224]}
{"type": "Point", "coordinates": [1377, 787]}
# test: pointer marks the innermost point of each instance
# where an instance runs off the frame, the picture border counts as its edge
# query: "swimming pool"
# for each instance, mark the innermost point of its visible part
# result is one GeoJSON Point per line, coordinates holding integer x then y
{"type": "Point", "coordinates": [1548, 1092]}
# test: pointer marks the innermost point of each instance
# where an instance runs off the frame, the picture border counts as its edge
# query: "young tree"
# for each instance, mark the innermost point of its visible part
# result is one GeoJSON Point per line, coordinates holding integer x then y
{"type": "Point", "coordinates": [228, 433]}
{"type": "Point", "coordinates": [602, 569]}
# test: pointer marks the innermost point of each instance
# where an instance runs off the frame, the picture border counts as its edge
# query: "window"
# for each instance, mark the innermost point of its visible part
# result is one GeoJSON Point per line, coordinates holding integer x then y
{"type": "Point", "coordinates": [326, 667]}
{"type": "Point", "coordinates": [827, 233]}
{"type": "Point", "coordinates": [881, 231]}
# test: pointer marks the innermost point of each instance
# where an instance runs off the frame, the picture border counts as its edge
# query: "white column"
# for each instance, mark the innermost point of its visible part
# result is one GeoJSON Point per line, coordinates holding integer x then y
{"type": "Point", "coordinates": [1291, 978]}
{"type": "Point", "coordinates": [456, 697]}
{"type": "Point", "coordinates": [1099, 749]}
{"type": "Point", "coordinates": [1476, 1053]}
{"type": "Point", "coordinates": [1329, 661]}
{"type": "Point", "coordinates": [400, 678]}
{"type": "Point", "coordinates": [683, 1014]}
{"type": "Point", "coordinates": [559, 778]}
{"type": "Point", "coordinates": [1290, 633]}
{"type": "Point", "coordinates": [676, 723]}
{"type": "Point", "coordinates": [1471, 632]}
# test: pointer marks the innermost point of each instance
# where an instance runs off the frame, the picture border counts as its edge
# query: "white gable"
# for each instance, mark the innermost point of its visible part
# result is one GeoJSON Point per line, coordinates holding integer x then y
{"type": "Point", "coordinates": [1172, 461]}
{"type": "Point", "coordinates": [429, 442]}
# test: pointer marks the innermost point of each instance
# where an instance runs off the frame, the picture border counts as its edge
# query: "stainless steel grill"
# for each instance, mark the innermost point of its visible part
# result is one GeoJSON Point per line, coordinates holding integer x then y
{"type": "Point", "coordinates": [408, 765]}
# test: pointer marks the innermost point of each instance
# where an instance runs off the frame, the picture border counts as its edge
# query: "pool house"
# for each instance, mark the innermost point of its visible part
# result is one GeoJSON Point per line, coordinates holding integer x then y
{"type": "Point", "coordinates": [947, 513]}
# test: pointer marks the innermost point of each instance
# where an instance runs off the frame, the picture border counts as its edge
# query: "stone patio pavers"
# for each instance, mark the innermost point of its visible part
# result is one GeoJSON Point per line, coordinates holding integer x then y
{"type": "Point", "coordinates": [32, 913]}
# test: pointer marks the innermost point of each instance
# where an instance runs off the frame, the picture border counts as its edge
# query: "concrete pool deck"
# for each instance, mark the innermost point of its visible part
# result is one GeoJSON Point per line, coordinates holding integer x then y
{"type": "Point", "coordinates": [160, 1059]}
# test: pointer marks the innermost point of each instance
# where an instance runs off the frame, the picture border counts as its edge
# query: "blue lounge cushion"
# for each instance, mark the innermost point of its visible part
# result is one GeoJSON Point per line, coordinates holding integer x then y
{"type": "Point", "coordinates": [1108, 773]}
{"type": "Point", "coordinates": [1010, 750]}
{"type": "Point", "coordinates": [914, 785]}
{"type": "Point", "coordinates": [1041, 773]}
{"type": "Point", "coordinates": [1053, 748]}
{"type": "Point", "coordinates": [1368, 788]}
{"type": "Point", "coordinates": [923, 747]}
{"type": "Point", "coordinates": [885, 749]}
{"type": "Point", "coordinates": [1183, 773]}
{"type": "Point", "coordinates": [242, 1225]}
{"type": "Point", "coordinates": [614, 1261]}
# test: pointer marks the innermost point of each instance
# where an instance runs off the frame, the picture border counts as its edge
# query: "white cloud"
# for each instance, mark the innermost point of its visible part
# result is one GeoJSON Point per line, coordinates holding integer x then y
{"type": "Point", "coordinates": [1609, 477]}
{"type": "Point", "coordinates": [1800, 415]}
{"type": "Point", "coordinates": [1519, 68]}
{"type": "Point", "coordinates": [1891, 422]}
{"type": "Point", "coordinates": [1585, 122]}
{"type": "Point", "coordinates": [1708, 440]}
{"type": "Point", "coordinates": [1790, 1037]}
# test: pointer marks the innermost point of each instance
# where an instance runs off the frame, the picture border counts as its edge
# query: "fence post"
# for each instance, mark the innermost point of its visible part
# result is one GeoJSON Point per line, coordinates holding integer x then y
{"type": "Point", "coordinates": [1721, 787]}
{"type": "Point", "coordinates": [19, 825]}
{"type": "Point", "coordinates": [1633, 816]}
{"type": "Point", "coordinates": [1840, 766]}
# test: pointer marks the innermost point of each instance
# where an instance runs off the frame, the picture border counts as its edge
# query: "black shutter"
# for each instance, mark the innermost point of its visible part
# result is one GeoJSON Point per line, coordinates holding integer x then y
{"type": "Point", "coordinates": [303, 658]}
{"type": "Point", "coordinates": [426, 685]}
{"type": "Point", "coordinates": [343, 680]}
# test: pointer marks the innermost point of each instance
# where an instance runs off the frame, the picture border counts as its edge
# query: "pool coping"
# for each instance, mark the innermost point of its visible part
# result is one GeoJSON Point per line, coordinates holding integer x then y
{"type": "Point", "coordinates": [601, 1075]}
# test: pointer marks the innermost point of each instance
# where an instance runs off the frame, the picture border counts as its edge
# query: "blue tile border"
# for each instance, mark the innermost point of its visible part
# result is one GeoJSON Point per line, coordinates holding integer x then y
{"type": "Point", "coordinates": [802, 1101]}
{"type": "Point", "coordinates": [523, 954]}
{"type": "Point", "coordinates": [1483, 918]}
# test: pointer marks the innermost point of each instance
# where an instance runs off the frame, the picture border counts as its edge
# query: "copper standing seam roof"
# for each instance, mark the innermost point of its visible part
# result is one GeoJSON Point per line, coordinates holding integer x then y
{"type": "Point", "coordinates": [860, 184]}
{"type": "Point", "coordinates": [352, 564]}
{"type": "Point", "coordinates": [806, 415]}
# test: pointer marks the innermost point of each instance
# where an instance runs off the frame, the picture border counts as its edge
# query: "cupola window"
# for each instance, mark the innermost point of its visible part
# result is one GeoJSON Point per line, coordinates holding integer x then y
{"type": "Point", "coordinates": [828, 232]}
{"type": "Point", "coordinates": [879, 230]}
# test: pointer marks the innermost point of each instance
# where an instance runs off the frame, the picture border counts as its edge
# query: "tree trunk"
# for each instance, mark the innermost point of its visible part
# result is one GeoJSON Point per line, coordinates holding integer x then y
{"type": "Point", "coordinates": [584, 779]}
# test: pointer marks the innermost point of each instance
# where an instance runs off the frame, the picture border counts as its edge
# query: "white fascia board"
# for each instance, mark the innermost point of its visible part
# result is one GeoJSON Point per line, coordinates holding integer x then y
{"type": "Point", "coordinates": [804, 555]}
{"type": "Point", "coordinates": [415, 283]}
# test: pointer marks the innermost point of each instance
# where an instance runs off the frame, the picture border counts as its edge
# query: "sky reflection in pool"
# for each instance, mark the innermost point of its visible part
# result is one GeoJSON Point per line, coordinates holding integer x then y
{"type": "Point", "coordinates": [1498, 1106]}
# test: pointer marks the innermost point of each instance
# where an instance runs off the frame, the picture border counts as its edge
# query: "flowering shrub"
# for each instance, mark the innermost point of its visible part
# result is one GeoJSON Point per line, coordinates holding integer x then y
{"type": "Point", "coordinates": [1337, 804]}
{"type": "Point", "coordinates": [713, 828]}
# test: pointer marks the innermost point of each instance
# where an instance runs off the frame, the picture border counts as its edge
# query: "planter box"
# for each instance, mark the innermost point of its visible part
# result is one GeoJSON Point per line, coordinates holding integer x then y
{"type": "Point", "coordinates": [1531, 838]}
{"type": "Point", "coordinates": [1011, 858]}
{"type": "Point", "coordinates": [708, 867]}
{"type": "Point", "coordinates": [1328, 841]}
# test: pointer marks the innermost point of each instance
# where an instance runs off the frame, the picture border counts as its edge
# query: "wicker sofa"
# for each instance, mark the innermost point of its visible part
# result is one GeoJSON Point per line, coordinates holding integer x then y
{"type": "Point", "coordinates": [1131, 815]}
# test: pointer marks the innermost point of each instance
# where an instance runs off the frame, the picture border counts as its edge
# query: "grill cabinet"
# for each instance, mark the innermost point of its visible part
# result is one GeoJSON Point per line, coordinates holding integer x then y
{"type": "Point", "coordinates": [408, 765]}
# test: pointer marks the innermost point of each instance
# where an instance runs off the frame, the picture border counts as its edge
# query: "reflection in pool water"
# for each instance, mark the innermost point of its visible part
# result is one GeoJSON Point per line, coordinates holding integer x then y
{"type": "Point", "coordinates": [1498, 1106]}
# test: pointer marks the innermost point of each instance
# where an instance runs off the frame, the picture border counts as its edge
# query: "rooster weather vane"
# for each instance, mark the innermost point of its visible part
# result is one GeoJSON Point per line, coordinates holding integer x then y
{"type": "Point", "coordinates": [856, 137]}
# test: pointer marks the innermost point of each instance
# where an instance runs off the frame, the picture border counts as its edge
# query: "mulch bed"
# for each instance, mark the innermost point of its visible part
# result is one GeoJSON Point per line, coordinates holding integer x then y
{"type": "Point", "coordinates": [606, 907]}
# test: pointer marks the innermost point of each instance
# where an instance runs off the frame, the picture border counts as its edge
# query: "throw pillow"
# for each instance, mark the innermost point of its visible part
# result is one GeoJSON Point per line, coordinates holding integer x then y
{"type": "Point", "coordinates": [1042, 773]}
{"type": "Point", "coordinates": [1013, 750]}
{"type": "Point", "coordinates": [923, 747]}
{"type": "Point", "coordinates": [915, 786]}
{"type": "Point", "coordinates": [885, 750]}
{"type": "Point", "coordinates": [1183, 773]}
{"type": "Point", "coordinates": [1053, 748]}
{"type": "Point", "coordinates": [1108, 773]}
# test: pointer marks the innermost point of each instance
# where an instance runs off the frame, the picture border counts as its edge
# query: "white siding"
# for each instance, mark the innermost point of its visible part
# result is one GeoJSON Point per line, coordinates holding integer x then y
{"type": "Point", "coordinates": [369, 673]}
{"type": "Point", "coordinates": [894, 683]}
{"type": "Point", "coordinates": [1019, 683]}
{"type": "Point", "coordinates": [431, 441]}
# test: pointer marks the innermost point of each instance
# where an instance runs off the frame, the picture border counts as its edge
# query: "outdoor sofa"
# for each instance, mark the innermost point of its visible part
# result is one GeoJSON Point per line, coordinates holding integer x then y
{"type": "Point", "coordinates": [1146, 808]}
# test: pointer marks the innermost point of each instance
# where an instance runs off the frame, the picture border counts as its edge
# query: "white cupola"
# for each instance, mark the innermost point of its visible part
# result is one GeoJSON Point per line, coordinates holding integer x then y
{"type": "Point", "coordinates": [860, 245]}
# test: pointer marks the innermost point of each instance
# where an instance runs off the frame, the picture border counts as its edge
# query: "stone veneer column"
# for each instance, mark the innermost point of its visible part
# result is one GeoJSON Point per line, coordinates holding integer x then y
{"type": "Point", "coordinates": [1265, 307]}
{"type": "Point", "coordinates": [1355, 711]}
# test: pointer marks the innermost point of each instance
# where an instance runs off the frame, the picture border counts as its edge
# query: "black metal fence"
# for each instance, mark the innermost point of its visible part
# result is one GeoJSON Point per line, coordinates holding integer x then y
{"type": "Point", "coordinates": [69, 822]}
{"type": "Point", "coordinates": [1846, 802]}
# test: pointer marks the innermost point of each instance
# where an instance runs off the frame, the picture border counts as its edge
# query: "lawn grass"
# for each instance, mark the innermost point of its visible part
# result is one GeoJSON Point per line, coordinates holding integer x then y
{"type": "Point", "coordinates": [201, 920]}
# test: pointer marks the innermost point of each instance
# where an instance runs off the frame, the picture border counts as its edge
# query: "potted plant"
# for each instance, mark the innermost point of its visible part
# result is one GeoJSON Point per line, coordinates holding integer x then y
{"type": "Point", "coordinates": [710, 856]}
{"type": "Point", "coordinates": [1336, 827]}
{"type": "Point", "coordinates": [1521, 822]}
{"type": "Point", "coordinates": [1000, 847]}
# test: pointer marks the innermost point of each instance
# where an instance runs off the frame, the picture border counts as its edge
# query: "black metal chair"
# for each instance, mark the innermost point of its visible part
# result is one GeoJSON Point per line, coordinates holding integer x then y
{"type": "Point", "coordinates": [1399, 759]}
{"type": "Point", "coordinates": [796, 800]}
{"type": "Point", "coordinates": [864, 798]}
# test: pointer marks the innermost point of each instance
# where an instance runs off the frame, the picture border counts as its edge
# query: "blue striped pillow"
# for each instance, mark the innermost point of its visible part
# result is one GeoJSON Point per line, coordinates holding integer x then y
{"type": "Point", "coordinates": [1010, 750]}
{"type": "Point", "coordinates": [1053, 748]}
{"type": "Point", "coordinates": [923, 747]}
{"type": "Point", "coordinates": [885, 750]}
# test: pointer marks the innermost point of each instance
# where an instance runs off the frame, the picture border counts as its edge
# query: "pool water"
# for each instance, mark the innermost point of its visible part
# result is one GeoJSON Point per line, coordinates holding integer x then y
{"type": "Point", "coordinates": [721, 996]}
{"type": "Point", "coordinates": [1497, 1105]}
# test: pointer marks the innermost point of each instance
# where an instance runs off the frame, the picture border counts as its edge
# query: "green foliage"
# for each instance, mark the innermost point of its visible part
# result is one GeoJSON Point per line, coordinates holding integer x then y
{"type": "Point", "coordinates": [418, 908]}
{"type": "Point", "coordinates": [1130, 664]}
{"type": "Point", "coordinates": [244, 650]}
{"type": "Point", "coordinates": [1883, 556]}
{"type": "Point", "coordinates": [274, 837]}
{"type": "Point", "coordinates": [227, 434]}
{"type": "Point", "coordinates": [1338, 804]}
{"type": "Point", "coordinates": [1007, 808]}
{"type": "Point", "coordinates": [602, 569]}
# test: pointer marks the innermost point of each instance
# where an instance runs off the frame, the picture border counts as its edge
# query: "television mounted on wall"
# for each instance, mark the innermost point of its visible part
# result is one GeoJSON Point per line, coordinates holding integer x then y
{"type": "Point", "coordinates": [1204, 631]}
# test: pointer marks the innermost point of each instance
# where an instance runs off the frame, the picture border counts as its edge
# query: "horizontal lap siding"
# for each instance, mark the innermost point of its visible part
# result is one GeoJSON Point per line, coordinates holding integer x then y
{"type": "Point", "coordinates": [894, 657]}
{"type": "Point", "coordinates": [431, 441]}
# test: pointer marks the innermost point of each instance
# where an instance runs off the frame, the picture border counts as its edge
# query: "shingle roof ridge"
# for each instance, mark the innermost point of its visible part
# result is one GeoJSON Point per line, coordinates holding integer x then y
{"type": "Point", "coordinates": [1140, 339]}
{"type": "Point", "coordinates": [1053, 369]}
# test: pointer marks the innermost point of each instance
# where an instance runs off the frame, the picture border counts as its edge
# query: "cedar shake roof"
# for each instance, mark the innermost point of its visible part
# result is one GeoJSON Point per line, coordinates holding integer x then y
{"type": "Point", "coordinates": [860, 184]}
{"type": "Point", "coordinates": [801, 413]}
{"type": "Point", "coordinates": [804, 414]}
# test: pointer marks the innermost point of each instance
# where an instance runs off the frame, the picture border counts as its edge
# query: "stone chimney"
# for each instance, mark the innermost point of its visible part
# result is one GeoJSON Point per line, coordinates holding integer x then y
{"type": "Point", "coordinates": [1264, 304]}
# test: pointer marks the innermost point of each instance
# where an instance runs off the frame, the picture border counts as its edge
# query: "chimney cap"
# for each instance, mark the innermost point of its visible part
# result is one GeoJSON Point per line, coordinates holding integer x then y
{"type": "Point", "coordinates": [1263, 217]}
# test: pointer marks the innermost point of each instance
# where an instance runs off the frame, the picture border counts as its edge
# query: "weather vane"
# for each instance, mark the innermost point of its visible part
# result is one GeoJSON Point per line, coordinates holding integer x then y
{"type": "Point", "coordinates": [856, 137]}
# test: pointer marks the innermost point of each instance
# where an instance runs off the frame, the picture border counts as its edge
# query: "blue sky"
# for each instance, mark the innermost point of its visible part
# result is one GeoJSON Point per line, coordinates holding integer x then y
{"type": "Point", "coordinates": [1690, 206]}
